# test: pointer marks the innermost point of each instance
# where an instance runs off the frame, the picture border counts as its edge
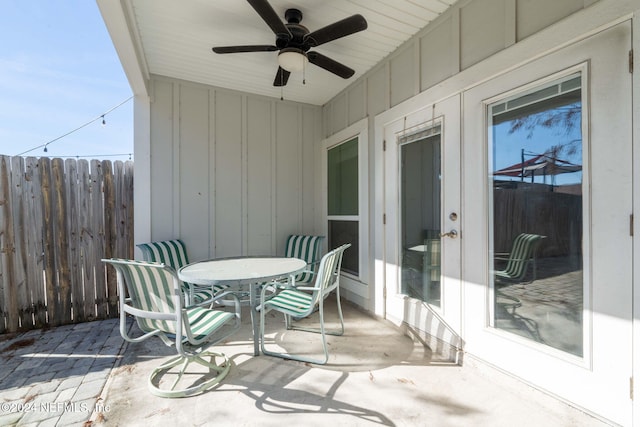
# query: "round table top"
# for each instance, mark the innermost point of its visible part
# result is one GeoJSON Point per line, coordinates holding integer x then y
{"type": "Point", "coordinates": [241, 269]}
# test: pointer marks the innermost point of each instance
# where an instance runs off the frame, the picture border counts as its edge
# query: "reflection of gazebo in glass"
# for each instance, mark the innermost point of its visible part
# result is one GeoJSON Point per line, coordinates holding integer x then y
{"type": "Point", "coordinates": [528, 199]}
{"type": "Point", "coordinates": [540, 165]}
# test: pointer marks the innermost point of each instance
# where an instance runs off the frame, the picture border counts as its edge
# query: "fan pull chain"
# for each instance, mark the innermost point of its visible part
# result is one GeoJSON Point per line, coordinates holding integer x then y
{"type": "Point", "coordinates": [281, 86]}
{"type": "Point", "coordinates": [304, 73]}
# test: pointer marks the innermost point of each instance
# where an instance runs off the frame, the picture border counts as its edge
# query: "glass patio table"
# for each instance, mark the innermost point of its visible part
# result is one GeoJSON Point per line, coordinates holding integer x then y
{"type": "Point", "coordinates": [251, 271]}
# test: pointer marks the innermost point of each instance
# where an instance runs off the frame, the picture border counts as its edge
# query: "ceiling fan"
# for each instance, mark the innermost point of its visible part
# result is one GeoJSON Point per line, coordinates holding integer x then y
{"type": "Point", "coordinates": [294, 40]}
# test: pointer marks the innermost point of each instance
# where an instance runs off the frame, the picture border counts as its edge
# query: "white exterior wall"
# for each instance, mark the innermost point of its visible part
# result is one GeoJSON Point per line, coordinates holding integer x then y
{"type": "Point", "coordinates": [465, 35]}
{"type": "Point", "coordinates": [472, 43]}
{"type": "Point", "coordinates": [231, 173]}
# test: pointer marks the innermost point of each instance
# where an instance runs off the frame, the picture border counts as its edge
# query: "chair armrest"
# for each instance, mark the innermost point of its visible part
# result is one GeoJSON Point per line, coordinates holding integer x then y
{"type": "Point", "coordinates": [226, 294]}
{"type": "Point", "coordinates": [216, 298]}
{"type": "Point", "coordinates": [306, 288]}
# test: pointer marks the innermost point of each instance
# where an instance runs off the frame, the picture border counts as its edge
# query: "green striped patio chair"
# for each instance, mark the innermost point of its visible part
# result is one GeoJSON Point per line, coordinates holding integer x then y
{"type": "Point", "coordinates": [155, 298]}
{"type": "Point", "coordinates": [173, 253]}
{"type": "Point", "coordinates": [308, 249]}
{"type": "Point", "coordinates": [523, 253]}
{"type": "Point", "coordinates": [301, 301]}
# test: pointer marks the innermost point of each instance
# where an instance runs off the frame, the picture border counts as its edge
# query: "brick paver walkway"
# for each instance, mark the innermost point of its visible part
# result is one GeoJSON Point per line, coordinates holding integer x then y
{"type": "Point", "coordinates": [54, 377]}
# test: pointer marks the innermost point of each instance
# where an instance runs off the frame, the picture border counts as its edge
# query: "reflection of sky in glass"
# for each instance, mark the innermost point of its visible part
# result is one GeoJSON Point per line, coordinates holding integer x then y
{"type": "Point", "coordinates": [508, 147]}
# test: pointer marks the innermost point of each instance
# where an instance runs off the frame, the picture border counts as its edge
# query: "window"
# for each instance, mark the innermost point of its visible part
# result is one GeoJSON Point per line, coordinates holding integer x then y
{"type": "Point", "coordinates": [535, 186]}
{"type": "Point", "coordinates": [420, 206]}
{"type": "Point", "coordinates": [343, 202]}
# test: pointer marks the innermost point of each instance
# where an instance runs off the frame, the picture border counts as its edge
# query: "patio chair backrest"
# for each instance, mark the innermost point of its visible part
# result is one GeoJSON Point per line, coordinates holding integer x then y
{"type": "Point", "coordinates": [329, 273]}
{"type": "Point", "coordinates": [173, 253]}
{"type": "Point", "coordinates": [154, 293]}
{"type": "Point", "coordinates": [168, 252]}
{"type": "Point", "coordinates": [308, 249]}
{"type": "Point", "coordinates": [522, 252]}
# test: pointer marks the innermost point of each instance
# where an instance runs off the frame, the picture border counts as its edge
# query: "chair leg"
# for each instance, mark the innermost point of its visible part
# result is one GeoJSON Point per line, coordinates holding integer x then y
{"type": "Point", "coordinates": [221, 371]}
{"type": "Point", "coordinates": [317, 330]}
{"type": "Point", "coordinates": [320, 330]}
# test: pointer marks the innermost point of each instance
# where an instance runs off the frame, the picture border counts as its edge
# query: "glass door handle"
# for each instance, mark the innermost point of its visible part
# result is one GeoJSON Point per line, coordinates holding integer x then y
{"type": "Point", "coordinates": [453, 234]}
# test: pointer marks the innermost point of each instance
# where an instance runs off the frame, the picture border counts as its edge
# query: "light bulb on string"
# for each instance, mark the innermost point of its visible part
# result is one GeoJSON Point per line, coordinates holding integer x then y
{"type": "Point", "coordinates": [104, 122]}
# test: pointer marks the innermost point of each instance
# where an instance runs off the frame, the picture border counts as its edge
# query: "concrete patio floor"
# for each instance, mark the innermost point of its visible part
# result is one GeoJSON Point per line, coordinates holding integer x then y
{"type": "Point", "coordinates": [375, 376]}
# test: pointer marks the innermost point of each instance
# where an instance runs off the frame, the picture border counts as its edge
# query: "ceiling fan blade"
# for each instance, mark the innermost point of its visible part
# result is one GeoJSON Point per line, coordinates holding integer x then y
{"type": "Point", "coordinates": [270, 16]}
{"type": "Point", "coordinates": [334, 31]}
{"type": "Point", "coordinates": [330, 65]}
{"type": "Point", "coordinates": [282, 77]}
{"type": "Point", "coordinates": [248, 48]}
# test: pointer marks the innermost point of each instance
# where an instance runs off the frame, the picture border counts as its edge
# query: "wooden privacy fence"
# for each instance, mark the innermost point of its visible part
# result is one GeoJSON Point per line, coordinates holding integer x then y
{"type": "Point", "coordinates": [58, 219]}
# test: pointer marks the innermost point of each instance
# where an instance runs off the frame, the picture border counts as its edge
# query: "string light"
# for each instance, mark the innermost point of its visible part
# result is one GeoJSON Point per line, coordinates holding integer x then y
{"type": "Point", "coordinates": [101, 116]}
{"type": "Point", "coordinates": [93, 156]}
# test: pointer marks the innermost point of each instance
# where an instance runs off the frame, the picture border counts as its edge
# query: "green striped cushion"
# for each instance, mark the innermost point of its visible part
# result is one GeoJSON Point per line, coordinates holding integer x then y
{"type": "Point", "coordinates": [203, 321]}
{"type": "Point", "coordinates": [308, 249]}
{"type": "Point", "coordinates": [174, 254]}
{"type": "Point", "coordinates": [168, 252]}
{"type": "Point", "coordinates": [300, 304]}
{"type": "Point", "coordinates": [296, 302]}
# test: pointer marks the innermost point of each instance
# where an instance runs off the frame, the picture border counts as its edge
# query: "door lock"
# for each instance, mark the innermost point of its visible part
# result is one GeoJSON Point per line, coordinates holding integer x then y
{"type": "Point", "coordinates": [453, 234]}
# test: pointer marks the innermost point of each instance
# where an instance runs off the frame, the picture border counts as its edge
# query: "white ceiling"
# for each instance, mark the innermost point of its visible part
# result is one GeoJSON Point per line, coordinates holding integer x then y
{"type": "Point", "coordinates": [176, 38]}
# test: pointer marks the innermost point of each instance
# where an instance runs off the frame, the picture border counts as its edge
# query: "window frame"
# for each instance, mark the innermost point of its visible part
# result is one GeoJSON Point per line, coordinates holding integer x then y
{"type": "Point", "coordinates": [359, 284]}
{"type": "Point", "coordinates": [532, 86]}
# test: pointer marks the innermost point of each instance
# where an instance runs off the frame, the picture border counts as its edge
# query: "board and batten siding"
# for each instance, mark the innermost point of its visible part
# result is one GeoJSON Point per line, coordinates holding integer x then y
{"type": "Point", "coordinates": [460, 38]}
{"type": "Point", "coordinates": [232, 173]}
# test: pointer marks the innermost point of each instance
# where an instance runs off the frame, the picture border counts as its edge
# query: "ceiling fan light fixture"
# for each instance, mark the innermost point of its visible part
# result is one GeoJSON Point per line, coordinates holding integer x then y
{"type": "Point", "coordinates": [292, 59]}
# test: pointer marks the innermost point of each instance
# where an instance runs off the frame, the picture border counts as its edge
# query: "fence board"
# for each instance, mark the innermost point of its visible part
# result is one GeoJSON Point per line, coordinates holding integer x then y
{"type": "Point", "coordinates": [10, 319]}
{"type": "Point", "coordinates": [129, 174]}
{"type": "Point", "coordinates": [110, 231]}
{"type": "Point", "coordinates": [61, 243]}
{"type": "Point", "coordinates": [75, 274]}
{"type": "Point", "coordinates": [97, 224]}
{"type": "Point", "coordinates": [120, 209]}
{"type": "Point", "coordinates": [87, 260]}
{"type": "Point", "coordinates": [48, 242]}
{"type": "Point", "coordinates": [35, 257]}
{"type": "Point", "coordinates": [19, 282]}
{"type": "Point", "coordinates": [124, 208]}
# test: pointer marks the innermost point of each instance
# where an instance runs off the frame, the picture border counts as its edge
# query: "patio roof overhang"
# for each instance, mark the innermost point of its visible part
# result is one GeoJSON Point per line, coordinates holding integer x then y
{"type": "Point", "coordinates": [174, 39]}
